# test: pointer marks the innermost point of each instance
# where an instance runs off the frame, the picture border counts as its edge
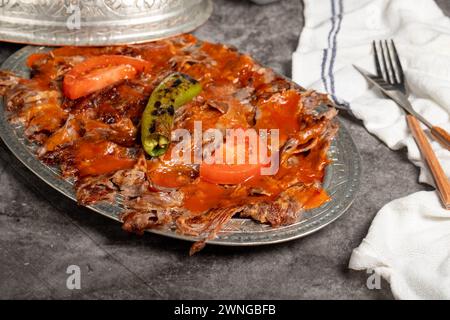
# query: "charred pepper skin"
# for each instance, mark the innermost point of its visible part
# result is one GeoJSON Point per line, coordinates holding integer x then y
{"type": "Point", "coordinates": [157, 120]}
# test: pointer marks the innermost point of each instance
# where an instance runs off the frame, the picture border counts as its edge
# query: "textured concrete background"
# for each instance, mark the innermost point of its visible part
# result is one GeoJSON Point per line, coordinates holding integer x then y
{"type": "Point", "coordinates": [42, 233]}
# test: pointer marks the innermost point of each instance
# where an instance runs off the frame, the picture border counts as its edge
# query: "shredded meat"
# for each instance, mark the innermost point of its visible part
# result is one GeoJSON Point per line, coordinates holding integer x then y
{"type": "Point", "coordinates": [95, 140]}
{"type": "Point", "coordinates": [283, 211]}
{"type": "Point", "coordinates": [92, 189]}
{"type": "Point", "coordinates": [7, 81]}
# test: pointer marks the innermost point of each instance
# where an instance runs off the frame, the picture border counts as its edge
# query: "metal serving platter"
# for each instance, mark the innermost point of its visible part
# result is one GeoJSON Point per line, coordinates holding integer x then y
{"type": "Point", "coordinates": [98, 22]}
{"type": "Point", "coordinates": [341, 181]}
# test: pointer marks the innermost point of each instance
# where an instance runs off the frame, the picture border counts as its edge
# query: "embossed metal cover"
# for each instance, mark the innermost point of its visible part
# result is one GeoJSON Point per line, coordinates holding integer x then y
{"type": "Point", "coordinates": [341, 181]}
{"type": "Point", "coordinates": [98, 22]}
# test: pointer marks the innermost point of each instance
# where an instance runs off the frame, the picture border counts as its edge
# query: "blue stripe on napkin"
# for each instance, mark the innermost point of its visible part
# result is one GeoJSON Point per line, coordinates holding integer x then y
{"type": "Point", "coordinates": [329, 54]}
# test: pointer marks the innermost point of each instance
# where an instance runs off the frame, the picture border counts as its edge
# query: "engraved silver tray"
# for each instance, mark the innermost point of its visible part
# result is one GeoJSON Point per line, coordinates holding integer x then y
{"type": "Point", "coordinates": [98, 22]}
{"type": "Point", "coordinates": [341, 181]}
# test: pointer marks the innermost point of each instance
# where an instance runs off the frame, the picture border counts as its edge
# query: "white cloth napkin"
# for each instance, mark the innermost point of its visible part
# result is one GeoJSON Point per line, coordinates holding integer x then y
{"type": "Point", "coordinates": [409, 240]}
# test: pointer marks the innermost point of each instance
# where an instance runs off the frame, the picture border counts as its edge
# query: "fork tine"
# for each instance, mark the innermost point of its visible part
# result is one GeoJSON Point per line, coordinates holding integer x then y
{"type": "Point", "coordinates": [392, 74]}
{"type": "Point", "coordinates": [386, 72]}
{"type": "Point", "coordinates": [387, 68]}
{"type": "Point", "coordinates": [377, 60]}
{"type": "Point", "coordinates": [401, 74]}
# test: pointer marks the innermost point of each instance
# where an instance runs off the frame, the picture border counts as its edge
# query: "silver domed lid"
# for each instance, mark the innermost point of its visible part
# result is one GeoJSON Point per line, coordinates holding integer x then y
{"type": "Point", "coordinates": [98, 22]}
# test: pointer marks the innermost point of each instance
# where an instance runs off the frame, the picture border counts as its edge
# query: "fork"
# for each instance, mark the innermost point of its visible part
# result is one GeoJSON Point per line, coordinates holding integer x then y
{"type": "Point", "coordinates": [390, 77]}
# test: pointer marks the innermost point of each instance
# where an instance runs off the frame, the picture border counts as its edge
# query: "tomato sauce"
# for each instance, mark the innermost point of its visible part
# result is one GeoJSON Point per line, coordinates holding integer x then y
{"type": "Point", "coordinates": [306, 171]}
{"type": "Point", "coordinates": [228, 72]}
{"type": "Point", "coordinates": [97, 158]}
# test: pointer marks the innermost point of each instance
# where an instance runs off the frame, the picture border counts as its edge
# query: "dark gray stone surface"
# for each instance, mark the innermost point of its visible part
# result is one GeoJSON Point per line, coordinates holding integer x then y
{"type": "Point", "coordinates": [42, 233]}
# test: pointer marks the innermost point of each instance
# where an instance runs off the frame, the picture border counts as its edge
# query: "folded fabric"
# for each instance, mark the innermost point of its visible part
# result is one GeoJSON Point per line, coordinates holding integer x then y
{"type": "Point", "coordinates": [339, 33]}
{"type": "Point", "coordinates": [408, 244]}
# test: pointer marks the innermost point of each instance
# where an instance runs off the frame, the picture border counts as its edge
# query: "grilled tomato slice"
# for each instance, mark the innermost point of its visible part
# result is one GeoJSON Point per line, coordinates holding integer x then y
{"type": "Point", "coordinates": [100, 72]}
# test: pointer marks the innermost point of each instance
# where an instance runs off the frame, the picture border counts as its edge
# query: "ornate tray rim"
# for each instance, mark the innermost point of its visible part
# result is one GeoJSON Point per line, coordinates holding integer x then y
{"type": "Point", "coordinates": [343, 189]}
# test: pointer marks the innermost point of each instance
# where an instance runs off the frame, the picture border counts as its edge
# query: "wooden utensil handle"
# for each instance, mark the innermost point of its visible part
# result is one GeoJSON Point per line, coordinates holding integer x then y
{"type": "Point", "coordinates": [442, 183]}
{"type": "Point", "coordinates": [442, 136]}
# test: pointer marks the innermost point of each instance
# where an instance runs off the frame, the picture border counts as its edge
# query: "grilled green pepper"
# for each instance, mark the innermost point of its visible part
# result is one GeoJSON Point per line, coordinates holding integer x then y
{"type": "Point", "coordinates": [157, 119]}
